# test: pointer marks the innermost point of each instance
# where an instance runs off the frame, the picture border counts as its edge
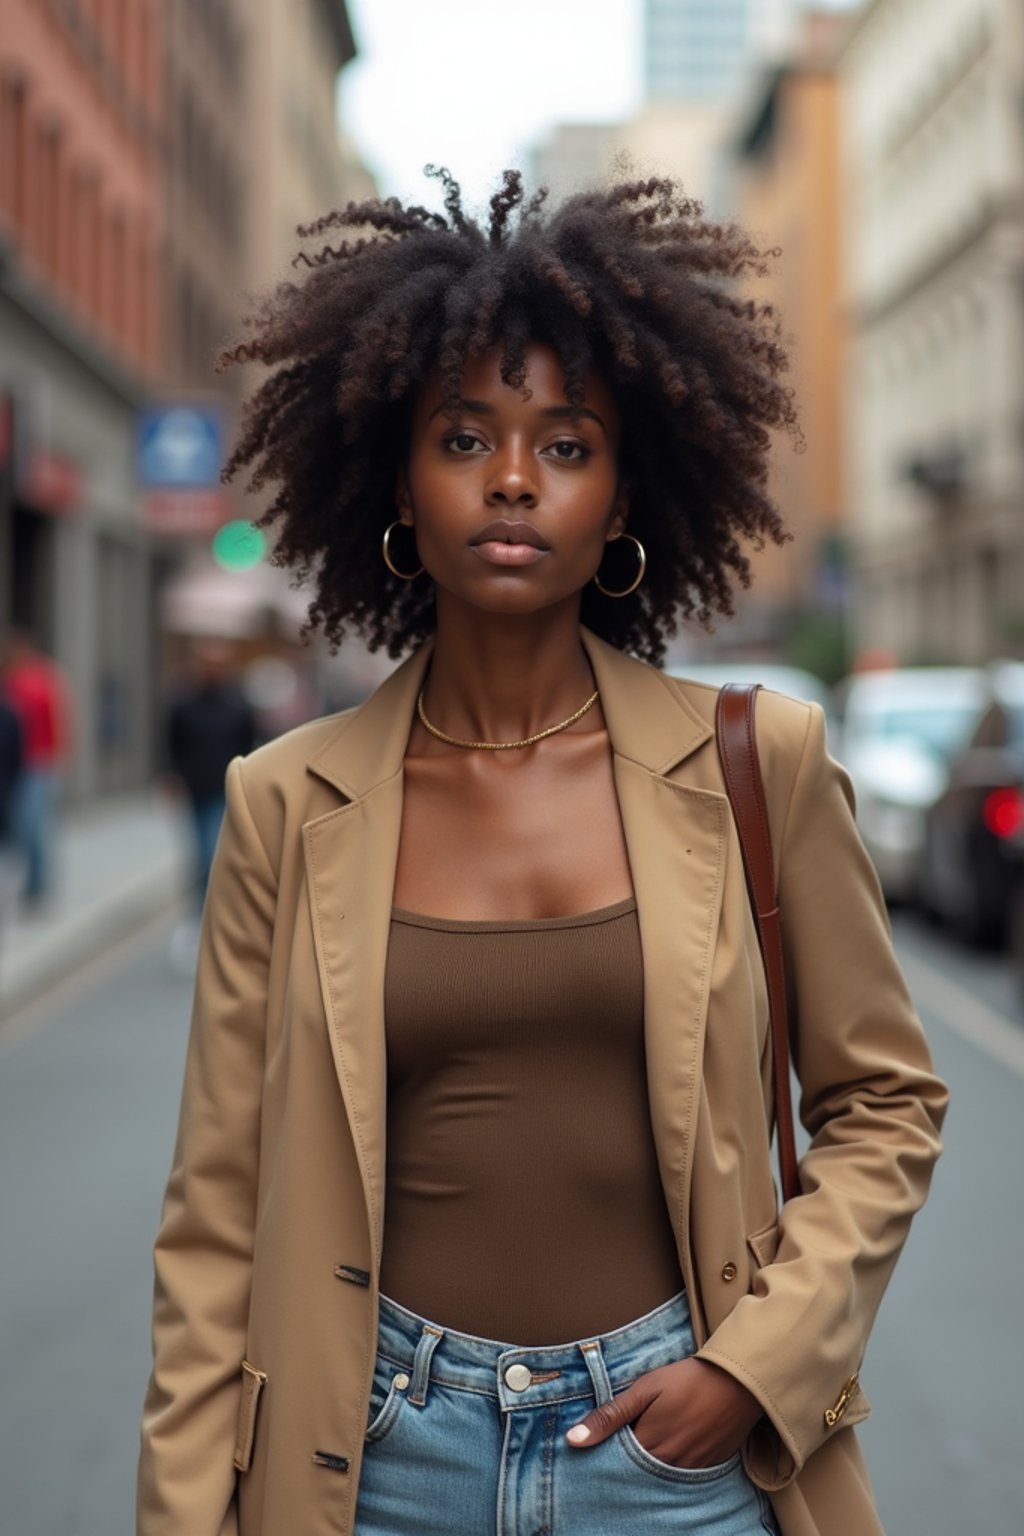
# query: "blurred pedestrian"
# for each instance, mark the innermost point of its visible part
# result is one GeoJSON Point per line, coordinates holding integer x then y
{"type": "Point", "coordinates": [208, 724]}
{"type": "Point", "coordinates": [281, 693]}
{"type": "Point", "coordinates": [36, 690]}
{"type": "Point", "coordinates": [12, 759]}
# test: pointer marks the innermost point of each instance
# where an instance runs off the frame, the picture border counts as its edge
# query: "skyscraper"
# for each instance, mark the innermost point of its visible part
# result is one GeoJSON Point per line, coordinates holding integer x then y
{"type": "Point", "coordinates": [699, 50]}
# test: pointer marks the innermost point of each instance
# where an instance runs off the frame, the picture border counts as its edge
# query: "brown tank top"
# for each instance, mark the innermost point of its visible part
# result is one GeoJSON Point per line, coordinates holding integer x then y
{"type": "Point", "coordinates": [523, 1199]}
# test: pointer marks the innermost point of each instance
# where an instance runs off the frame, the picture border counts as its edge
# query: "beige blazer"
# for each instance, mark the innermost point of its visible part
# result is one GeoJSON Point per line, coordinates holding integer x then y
{"type": "Point", "coordinates": [269, 1247]}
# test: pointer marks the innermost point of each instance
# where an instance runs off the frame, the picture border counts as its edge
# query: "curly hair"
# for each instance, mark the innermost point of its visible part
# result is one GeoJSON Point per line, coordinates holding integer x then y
{"type": "Point", "coordinates": [631, 280]}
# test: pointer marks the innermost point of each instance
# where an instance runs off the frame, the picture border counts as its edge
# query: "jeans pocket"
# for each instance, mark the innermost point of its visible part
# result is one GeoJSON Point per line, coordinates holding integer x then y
{"type": "Point", "coordinates": [389, 1389]}
{"type": "Point", "coordinates": [643, 1458]}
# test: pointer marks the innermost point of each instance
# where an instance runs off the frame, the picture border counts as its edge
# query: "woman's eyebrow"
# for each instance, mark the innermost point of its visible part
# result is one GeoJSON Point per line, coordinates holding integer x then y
{"type": "Point", "coordinates": [551, 412]}
{"type": "Point", "coordinates": [571, 412]}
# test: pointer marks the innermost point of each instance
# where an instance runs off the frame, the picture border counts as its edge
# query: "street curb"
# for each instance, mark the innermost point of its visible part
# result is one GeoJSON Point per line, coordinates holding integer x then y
{"type": "Point", "coordinates": [77, 937]}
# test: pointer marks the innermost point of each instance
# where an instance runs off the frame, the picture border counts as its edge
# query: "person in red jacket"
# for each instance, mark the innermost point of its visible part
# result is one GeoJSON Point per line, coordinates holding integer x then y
{"type": "Point", "coordinates": [12, 755]}
{"type": "Point", "coordinates": [36, 690]}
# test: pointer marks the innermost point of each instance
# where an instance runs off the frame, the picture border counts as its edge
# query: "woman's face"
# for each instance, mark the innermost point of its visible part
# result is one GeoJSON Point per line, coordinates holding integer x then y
{"type": "Point", "coordinates": [513, 501]}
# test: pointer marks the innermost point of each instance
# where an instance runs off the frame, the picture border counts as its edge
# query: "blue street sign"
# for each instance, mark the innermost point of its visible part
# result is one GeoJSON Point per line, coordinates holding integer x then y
{"type": "Point", "coordinates": [179, 447]}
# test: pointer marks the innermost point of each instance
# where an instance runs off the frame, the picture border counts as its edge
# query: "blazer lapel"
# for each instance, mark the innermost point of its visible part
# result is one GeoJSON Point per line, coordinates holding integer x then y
{"type": "Point", "coordinates": [676, 835]}
{"type": "Point", "coordinates": [351, 854]}
{"type": "Point", "coordinates": [676, 841]}
{"type": "Point", "coordinates": [350, 864]}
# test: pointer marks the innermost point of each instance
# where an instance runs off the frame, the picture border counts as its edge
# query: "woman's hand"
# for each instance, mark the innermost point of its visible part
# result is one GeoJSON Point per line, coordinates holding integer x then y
{"type": "Point", "coordinates": [688, 1414]}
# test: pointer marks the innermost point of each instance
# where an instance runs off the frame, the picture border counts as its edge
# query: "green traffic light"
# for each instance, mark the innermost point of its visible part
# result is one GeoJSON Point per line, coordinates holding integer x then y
{"type": "Point", "coordinates": [239, 545]}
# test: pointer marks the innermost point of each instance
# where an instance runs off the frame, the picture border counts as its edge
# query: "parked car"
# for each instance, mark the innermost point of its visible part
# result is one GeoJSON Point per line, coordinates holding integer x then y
{"type": "Point", "coordinates": [974, 841]}
{"type": "Point", "coordinates": [775, 675]}
{"type": "Point", "coordinates": [1016, 920]}
{"type": "Point", "coordinates": [899, 730]}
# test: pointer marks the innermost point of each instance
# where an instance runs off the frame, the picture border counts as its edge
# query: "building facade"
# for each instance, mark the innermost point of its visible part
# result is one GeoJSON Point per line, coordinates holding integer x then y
{"type": "Point", "coordinates": [154, 158]}
{"type": "Point", "coordinates": [300, 165]}
{"type": "Point", "coordinates": [697, 57]}
{"type": "Point", "coordinates": [700, 50]}
{"type": "Point", "coordinates": [679, 139]}
{"type": "Point", "coordinates": [207, 62]}
{"type": "Point", "coordinates": [789, 195]}
{"type": "Point", "coordinates": [81, 342]}
{"type": "Point", "coordinates": [291, 165]}
{"type": "Point", "coordinates": [253, 150]}
{"type": "Point", "coordinates": [934, 156]}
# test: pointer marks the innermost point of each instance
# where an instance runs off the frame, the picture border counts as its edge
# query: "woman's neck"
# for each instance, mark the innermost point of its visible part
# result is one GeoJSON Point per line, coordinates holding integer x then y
{"type": "Point", "coordinates": [498, 678]}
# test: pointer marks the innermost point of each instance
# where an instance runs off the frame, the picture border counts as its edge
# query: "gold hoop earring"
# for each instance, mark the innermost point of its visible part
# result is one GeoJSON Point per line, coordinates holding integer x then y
{"type": "Point", "coordinates": [385, 549]}
{"type": "Point", "coordinates": [642, 558]}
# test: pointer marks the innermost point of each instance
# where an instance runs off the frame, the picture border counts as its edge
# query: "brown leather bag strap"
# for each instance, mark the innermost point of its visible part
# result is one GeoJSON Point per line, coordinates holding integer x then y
{"type": "Point", "coordinates": [737, 747]}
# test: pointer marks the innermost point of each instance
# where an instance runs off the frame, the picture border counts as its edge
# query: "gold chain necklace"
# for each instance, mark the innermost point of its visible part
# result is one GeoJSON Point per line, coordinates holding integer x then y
{"type": "Point", "coordinates": [504, 746]}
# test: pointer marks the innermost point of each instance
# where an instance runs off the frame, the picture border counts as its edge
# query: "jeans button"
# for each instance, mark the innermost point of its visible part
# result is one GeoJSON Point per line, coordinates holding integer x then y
{"type": "Point", "coordinates": [517, 1377]}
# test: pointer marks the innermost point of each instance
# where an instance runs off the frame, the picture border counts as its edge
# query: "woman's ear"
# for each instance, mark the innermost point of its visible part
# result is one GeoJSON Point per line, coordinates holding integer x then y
{"type": "Point", "coordinates": [620, 513]}
{"type": "Point", "coordinates": [403, 496]}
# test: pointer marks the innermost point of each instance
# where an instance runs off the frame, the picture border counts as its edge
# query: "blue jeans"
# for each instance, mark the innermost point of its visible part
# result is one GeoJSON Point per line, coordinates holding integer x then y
{"type": "Point", "coordinates": [467, 1438]}
{"type": "Point", "coordinates": [34, 815]}
{"type": "Point", "coordinates": [207, 815]}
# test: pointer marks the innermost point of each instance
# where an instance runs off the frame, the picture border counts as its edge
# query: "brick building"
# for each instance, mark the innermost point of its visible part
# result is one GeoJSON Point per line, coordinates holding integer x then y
{"type": "Point", "coordinates": [81, 229]}
{"type": "Point", "coordinates": [154, 157]}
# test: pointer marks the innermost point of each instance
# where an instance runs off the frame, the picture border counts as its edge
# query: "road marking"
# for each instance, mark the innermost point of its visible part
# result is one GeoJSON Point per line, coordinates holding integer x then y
{"type": "Point", "coordinates": [965, 1014]}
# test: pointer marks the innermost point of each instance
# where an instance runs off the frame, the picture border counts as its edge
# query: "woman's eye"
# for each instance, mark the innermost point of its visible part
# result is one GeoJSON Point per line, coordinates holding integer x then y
{"type": "Point", "coordinates": [463, 442]}
{"type": "Point", "coordinates": [569, 451]}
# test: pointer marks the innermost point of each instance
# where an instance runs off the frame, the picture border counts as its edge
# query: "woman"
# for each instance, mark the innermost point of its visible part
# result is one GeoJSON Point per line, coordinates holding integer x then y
{"type": "Point", "coordinates": [471, 1224]}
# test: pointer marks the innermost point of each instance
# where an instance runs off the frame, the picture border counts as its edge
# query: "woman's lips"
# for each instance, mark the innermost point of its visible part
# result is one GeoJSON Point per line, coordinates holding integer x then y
{"type": "Point", "coordinates": [496, 552]}
{"type": "Point", "coordinates": [510, 543]}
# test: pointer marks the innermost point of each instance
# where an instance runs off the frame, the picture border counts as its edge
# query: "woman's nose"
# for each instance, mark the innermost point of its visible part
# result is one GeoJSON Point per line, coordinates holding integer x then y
{"type": "Point", "coordinates": [512, 478]}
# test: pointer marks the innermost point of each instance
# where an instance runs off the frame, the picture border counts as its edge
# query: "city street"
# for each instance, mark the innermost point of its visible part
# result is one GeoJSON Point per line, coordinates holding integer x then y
{"type": "Point", "coordinates": [722, 294]}
{"type": "Point", "coordinates": [89, 1082]}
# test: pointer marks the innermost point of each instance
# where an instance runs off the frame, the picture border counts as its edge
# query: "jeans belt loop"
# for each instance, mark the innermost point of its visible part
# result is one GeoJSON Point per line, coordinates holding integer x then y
{"type": "Point", "coordinates": [592, 1354]}
{"type": "Point", "coordinates": [430, 1338]}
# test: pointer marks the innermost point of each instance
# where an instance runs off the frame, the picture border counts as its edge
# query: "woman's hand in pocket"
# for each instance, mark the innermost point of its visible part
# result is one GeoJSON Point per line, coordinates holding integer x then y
{"type": "Point", "coordinates": [688, 1414]}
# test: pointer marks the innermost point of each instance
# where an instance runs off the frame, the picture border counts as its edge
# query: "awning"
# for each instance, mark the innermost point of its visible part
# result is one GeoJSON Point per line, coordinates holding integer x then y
{"type": "Point", "coordinates": [205, 600]}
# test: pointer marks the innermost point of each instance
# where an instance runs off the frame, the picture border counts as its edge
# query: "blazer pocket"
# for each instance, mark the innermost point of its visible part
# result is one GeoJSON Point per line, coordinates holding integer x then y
{"type": "Point", "coordinates": [253, 1382]}
{"type": "Point", "coordinates": [764, 1243]}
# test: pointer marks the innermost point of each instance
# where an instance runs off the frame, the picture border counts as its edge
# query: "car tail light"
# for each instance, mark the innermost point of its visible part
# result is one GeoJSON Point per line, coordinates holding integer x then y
{"type": "Point", "coordinates": [1003, 812]}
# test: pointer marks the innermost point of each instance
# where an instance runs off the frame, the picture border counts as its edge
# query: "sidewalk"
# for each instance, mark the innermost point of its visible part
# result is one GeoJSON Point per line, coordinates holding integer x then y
{"type": "Point", "coordinates": [118, 864]}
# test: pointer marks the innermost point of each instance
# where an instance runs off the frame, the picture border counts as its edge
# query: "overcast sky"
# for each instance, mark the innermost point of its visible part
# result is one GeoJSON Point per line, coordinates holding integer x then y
{"type": "Point", "coordinates": [472, 84]}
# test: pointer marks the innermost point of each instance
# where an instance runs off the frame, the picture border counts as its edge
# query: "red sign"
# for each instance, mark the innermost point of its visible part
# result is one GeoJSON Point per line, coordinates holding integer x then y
{"type": "Point", "coordinates": [184, 513]}
{"type": "Point", "coordinates": [50, 482]}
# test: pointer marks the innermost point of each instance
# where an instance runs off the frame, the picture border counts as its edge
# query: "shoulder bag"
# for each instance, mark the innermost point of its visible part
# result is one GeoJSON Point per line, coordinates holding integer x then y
{"type": "Point", "coordinates": [737, 748]}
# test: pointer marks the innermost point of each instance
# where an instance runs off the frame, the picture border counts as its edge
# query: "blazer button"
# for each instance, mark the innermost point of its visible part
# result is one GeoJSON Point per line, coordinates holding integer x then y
{"type": "Point", "coordinates": [729, 1271]}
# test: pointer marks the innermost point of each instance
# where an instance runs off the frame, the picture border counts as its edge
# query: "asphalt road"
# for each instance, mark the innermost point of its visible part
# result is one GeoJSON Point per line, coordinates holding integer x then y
{"type": "Point", "coordinates": [89, 1085]}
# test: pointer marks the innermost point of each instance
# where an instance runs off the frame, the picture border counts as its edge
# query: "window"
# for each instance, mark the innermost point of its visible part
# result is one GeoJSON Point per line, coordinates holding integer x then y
{"type": "Point", "coordinates": [91, 252]}
{"type": "Point", "coordinates": [120, 305]}
{"type": "Point", "coordinates": [140, 292]}
{"type": "Point", "coordinates": [50, 211]}
{"type": "Point", "coordinates": [14, 144]}
{"type": "Point", "coordinates": [146, 64]}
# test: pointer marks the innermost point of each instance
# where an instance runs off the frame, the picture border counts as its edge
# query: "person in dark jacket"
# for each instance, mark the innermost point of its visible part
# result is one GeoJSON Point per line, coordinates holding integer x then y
{"type": "Point", "coordinates": [207, 725]}
{"type": "Point", "coordinates": [12, 759]}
